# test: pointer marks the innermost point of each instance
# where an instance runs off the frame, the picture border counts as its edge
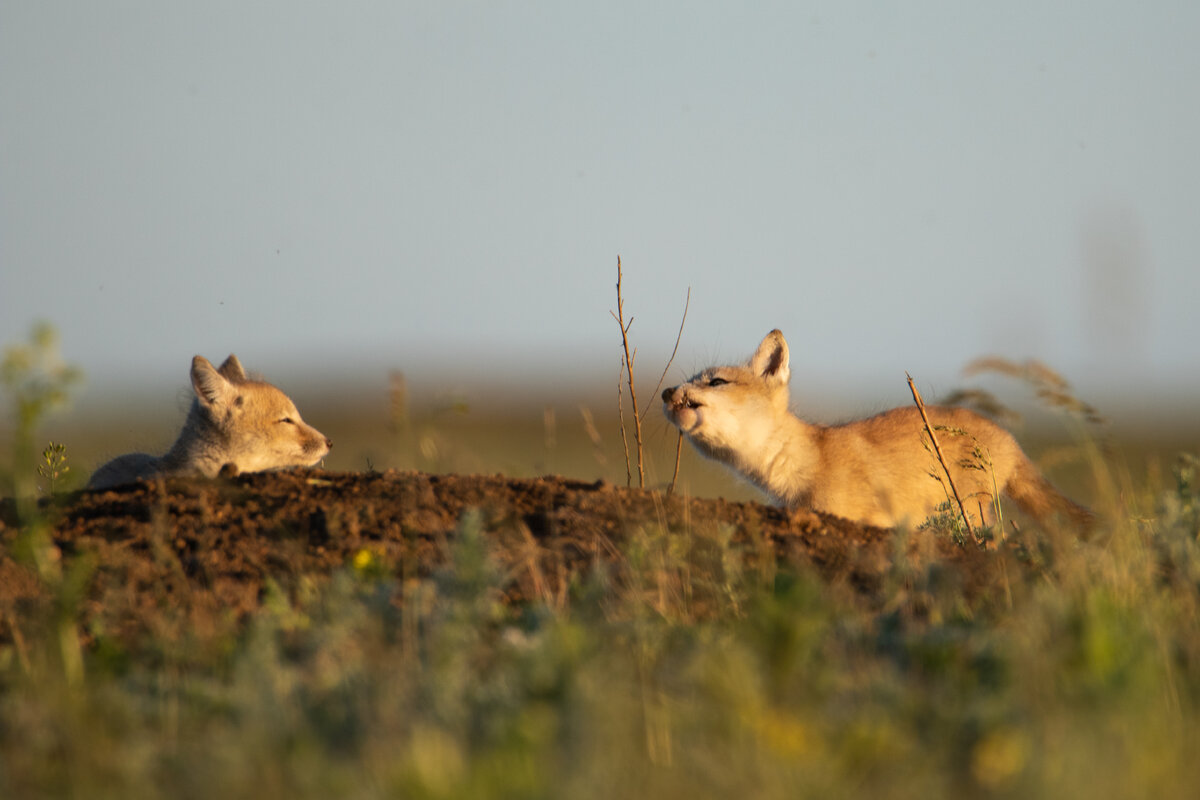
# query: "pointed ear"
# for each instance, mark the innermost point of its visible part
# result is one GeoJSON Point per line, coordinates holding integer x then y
{"type": "Point", "coordinates": [211, 387]}
{"type": "Point", "coordinates": [770, 360]}
{"type": "Point", "coordinates": [232, 369]}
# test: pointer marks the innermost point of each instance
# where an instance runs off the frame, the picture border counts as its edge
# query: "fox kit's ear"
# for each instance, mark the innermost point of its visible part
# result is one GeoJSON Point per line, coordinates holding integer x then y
{"type": "Point", "coordinates": [770, 360]}
{"type": "Point", "coordinates": [211, 387]}
{"type": "Point", "coordinates": [232, 369]}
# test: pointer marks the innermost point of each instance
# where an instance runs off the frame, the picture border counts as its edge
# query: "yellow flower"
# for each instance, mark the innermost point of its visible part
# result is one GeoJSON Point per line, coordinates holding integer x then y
{"type": "Point", "coordinates": [784, 734]}
{"type": "Point", "coordinates": [999, 756]}
{"type": "Point", "coordinates": [365, 560]}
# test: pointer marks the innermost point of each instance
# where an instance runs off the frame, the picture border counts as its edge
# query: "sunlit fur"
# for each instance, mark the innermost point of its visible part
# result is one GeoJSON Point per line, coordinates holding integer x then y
{"type": "Point", "coordinates": [235, 425]}
{"type": "Point", "coordinates": [878, 471]}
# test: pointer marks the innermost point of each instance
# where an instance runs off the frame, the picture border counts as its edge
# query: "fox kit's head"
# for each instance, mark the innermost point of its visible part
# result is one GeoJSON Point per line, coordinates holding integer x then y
{"type": "Point", "coordinates": [728, 412]}
{"type": "Point", "coordinates": [257, 426]}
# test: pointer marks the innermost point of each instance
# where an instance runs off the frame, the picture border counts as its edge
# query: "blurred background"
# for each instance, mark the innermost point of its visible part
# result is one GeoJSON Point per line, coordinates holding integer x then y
{"type": "Point", "coordinates": [408, 215]}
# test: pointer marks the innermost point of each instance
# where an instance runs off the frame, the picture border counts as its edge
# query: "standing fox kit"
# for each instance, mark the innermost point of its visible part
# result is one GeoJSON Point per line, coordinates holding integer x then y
{"type": "Point", "coordinates": [876, 471]}
{"type": "Point", "coordinates": [235, 424]}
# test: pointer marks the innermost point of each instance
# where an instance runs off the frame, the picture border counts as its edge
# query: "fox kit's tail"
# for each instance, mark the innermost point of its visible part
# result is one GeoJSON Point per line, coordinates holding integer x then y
{"type": "Point", "coordinates": [1037, 497]}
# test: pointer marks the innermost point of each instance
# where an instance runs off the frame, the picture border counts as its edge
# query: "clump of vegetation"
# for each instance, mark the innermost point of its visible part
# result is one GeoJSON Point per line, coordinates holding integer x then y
{"type": "Point", "coordinates": [698, 669]}
{"type": "Point", "coordinates": [36, 382]}
{"type": "Point", "coordinates": [54, 464]}
{"type": "Point", "coordinates": [700, 666]}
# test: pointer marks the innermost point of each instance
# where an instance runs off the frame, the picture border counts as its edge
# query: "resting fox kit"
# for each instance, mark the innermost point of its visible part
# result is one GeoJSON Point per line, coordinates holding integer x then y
{"type": "Point", "coordinates": [235, 424]}
{"type": "Point", "coordinates": [876, 471]}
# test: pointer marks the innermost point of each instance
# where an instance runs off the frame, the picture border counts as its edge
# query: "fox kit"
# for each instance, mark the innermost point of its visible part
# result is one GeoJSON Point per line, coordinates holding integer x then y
{"type": "Point", "coordinates": [235, 425]}
{"type": "Point", "coordinates": [875, 471]}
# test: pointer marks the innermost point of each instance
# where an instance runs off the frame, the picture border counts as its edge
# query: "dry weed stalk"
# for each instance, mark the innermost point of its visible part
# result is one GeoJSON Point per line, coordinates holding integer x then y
{"type": "Point", "coordinates": [1050, 387]}
{"type": "Point", "coordinates": [679, 442]}
{"type": "Point", "coordinates": [619, 316]}
{"type": "Point", "coordinates": [687, 302]}
{"type": "Point", "coordinates": [589, 427]}
{"type": "Point", "coordinates": [982, 402]}
{"type": "Point", "coordinates": [938, 450]}
{"type": "Point", "coordinates": [621, 417]}
{"type": "Point", "coordinates": [638, 416]}
{"type": "Point", "coordinates": [1053, 391]}
{"type": "Point", "coordinates": [678, 456]}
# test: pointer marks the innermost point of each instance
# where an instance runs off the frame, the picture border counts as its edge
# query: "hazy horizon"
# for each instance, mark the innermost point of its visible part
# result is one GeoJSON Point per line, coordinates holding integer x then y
{"type": "Point", "coordinates": [445, 189]}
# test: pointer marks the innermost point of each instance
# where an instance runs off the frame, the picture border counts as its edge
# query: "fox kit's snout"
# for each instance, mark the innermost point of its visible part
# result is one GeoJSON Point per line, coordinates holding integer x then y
{"type": "Point", "coordinates": [235, 424]}
{"type": "Point", "coordinates": [877, 471]}
{"type": "Point", "coordinates": [728, 413]}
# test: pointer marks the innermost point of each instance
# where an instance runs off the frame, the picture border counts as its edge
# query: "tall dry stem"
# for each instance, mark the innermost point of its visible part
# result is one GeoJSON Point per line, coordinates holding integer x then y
{"type": "Point", "coordinates": [640, 415]}
{"type": "Point", "coordinates": [619, 316]}
{"type": "Point", "coordinates": [621, 417]}
{"type": "Point", "coordinates": [678, 456]}
{"type": "Point", "coordinates": [938, 450]}
{"type": "Point", "coordinates": [678, 336]}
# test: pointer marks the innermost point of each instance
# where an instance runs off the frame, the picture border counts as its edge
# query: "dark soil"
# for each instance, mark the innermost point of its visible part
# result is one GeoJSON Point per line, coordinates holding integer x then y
{"type": "Point", "coordinates": [182, 556]}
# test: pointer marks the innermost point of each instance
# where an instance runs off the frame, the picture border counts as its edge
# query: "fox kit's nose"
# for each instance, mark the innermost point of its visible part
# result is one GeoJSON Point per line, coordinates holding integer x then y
{"type": "Point", "coordinates": [329, 442]}
{"type": "Point", "coordinates": [667, 394]}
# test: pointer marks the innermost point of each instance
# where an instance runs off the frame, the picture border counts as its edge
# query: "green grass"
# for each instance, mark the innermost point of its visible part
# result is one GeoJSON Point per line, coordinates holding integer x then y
{"type": "Point", "coordinates": [694, 677]}
{"type": "Point", "coordinates": [1075, 672]}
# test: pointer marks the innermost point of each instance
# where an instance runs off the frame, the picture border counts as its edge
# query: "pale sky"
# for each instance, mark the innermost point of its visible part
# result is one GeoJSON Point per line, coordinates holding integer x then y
{"type": "Point", "coordinates": [447, 185]}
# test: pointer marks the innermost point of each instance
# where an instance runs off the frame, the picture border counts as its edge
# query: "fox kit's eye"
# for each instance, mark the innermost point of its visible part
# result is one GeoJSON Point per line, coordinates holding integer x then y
{"type": "Point", "coordinates": [717, 381]}
{"type": "Point", "coordinates": [288, 421]}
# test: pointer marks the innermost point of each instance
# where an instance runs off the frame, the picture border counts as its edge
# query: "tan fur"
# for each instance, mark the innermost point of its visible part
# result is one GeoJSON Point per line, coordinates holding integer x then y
{"type": "Point", "coordinates": [235, 425]}
{"type": "Point", "coordinates": [877, 471]}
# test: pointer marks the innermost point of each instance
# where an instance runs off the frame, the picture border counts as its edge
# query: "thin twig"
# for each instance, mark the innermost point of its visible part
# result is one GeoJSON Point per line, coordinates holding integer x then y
{"type": "Point", "coordinates": [687, 302]}
{"type": "Point", "coordinates": [629, 357]}
{"type": "Point", "coordinates": [621, 416]}
{"type": "Point", "coordinates": [675, 475]}
{"type": "Point", "coordinates": [678, 336]}
{"type": "Point", "coordinates": [938, 450]}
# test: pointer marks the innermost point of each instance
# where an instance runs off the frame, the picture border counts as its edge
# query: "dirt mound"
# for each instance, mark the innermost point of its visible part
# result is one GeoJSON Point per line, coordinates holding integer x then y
{"type": "Point", "coordinates": [174, 556]}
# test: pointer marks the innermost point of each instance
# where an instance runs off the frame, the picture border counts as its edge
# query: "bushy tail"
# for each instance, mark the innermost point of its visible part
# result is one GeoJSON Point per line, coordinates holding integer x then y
{"type": "Point", "coordinates": [1037, 497]}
